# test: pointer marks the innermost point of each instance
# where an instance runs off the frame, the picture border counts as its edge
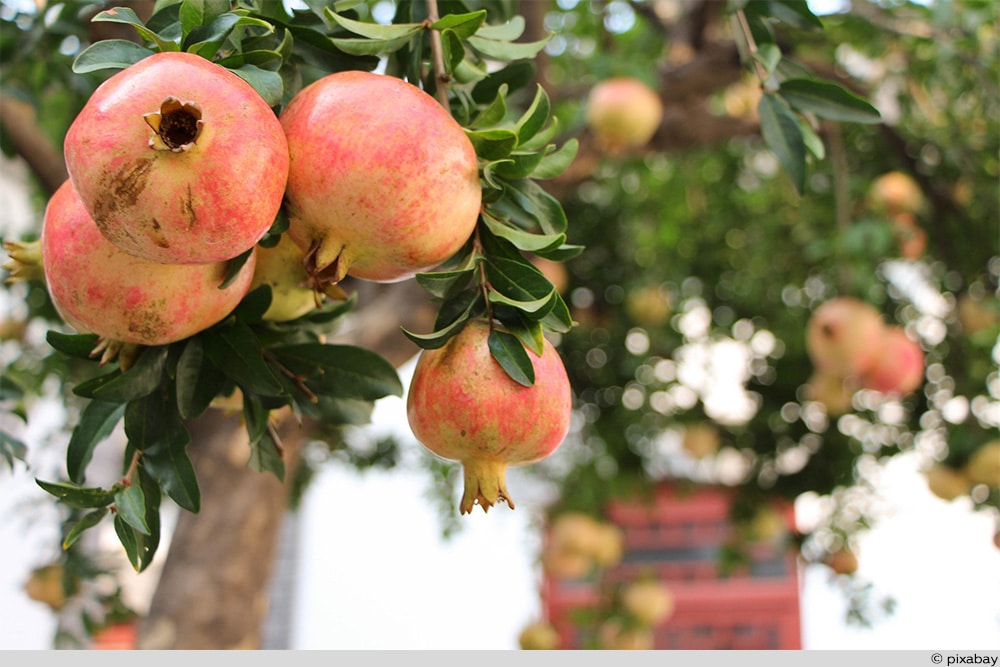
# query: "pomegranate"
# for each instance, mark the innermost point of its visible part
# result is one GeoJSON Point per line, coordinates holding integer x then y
{"type": "Point", "coordinates": [899, 369]}
{"type": "Point", "coordinates": [383, 182]}
{"type": "Point", "coordinates": [983, 467]}
{"type": "Point", "coordinates": [843, 561]}
{"type": "Point", "coordinates": [462, 406]}
{"type": "Point", "coordinates": [832, 391]}
{"type": "Point", "coordinates": [538, 636]}
{"type": "Point", "coordinates": [178, 160]}
{"type": "Point", "coordinates": [845, 336]}
{"type": "Point", "coordinates": [623, 113]}
{"type": "Point", "coordinates": [895, 192]}
{"type": "Point", "coordinates": [946, 482]}
{"type": "Point", "coordinates": [280, 266]}
{"type": "Point", "coordinates": [648, 601]}
{"type": "Point", "coordinates": [98, 288]}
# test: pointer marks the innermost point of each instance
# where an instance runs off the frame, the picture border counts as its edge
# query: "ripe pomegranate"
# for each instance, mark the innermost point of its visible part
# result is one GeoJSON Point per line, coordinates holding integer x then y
{"type": "Point", "coordinates": [45, 584]}
{"type": "Point", "coordinates": [946, 482]}
{"type": "Point", "coordinates": [845, 336]}
{"type": "Point", "coordinates": [281, 267]}
{"type": "Point", "coordinates": [98, 288]}
{"type": "Point", "coordinates": [648, 601]}
{"type": "Point", "coordinates": [895, 192]}
{"type": "Point", "coordinates": [899, 369]}
{"type": "Point", "coordinates": [843, 561]}
{"type": "Point", "coordinates": [538, 636]}
{"type": "Point", "coordinates": [613, 635]}
{"type": "Point", "coordinates": [832, 391]}
{"type": "Point", "coordinates": [983, 467]}
{"type": "Point", "coordinates": [701, 440]}
{"type": "Point", "coordinates": [464, 407]}
{"type": "Point", "coordinates": [178, 160]}
{"type": "Point", "coordinates": [623, 113]}
{"type": "Point", "coordinates": [383, 182]}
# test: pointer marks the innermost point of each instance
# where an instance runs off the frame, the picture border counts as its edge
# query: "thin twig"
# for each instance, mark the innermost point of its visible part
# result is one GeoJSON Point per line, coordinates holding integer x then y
{"type": "Point", "coordinates": [441, 78]}
{"type": "Point", "coordinates": [297, 379]}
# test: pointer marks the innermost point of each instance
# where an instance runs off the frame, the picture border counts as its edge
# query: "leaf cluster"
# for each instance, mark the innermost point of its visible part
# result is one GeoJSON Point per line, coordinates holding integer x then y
{"type": "Point", "coordinates": [265, 366]}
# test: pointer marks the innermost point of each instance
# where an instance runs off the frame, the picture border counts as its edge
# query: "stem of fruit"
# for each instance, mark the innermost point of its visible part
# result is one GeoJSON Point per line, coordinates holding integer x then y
{"type": "Point", "coordinates": [484, 285]}
{"type": "Point", "coordinates": [132, 467]}
{"type": "Point", "coordinates": [297, 379]}
{"type": "Point", "coordinates": [441, 78]}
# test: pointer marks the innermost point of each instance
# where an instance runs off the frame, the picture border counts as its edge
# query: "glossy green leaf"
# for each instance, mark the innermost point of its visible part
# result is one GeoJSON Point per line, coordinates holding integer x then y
{"type": "Point", "coordinates": [238, 353]}
{"type": "Point", "coordinates": [494, 113]}
{"type": "Point", "coordinates": [440, 336]}
{"type": "Point", "coordinates": [343, 371]}
{"type": "Point", "coordinates": [12, 449]}
{"type": "Point", "coordinates": [504, 50]}
{"type": "Point", "coordinates": [109, 54]}
{"type": "Point", "coordinates": [515, 75]}
{"type": "Point", "coordinates": [268, 84]}
{"type": "Point", "coordinates": [453, 50]}
{"type": "Point", "coordinates": [194, 13]}
{"type": "Point", "coordinates": [558, 318]}
{"type": "Point", "coordinates": [374, 31]}
{"type": "Point", "coordinates": [512, 357]}
{"type": "Point", "coordinates": [155, 428]}
{"type": "Point", "coordinates": [443, 284]}
{"type": "Point", "coordinates": [793, 12]}
{"type": "Point", "coordinates": [535, 117]}
{"type": "Point", "coordinates": [492, 144]}
{"type": "Point", "coordinates": [768, 55]}
{"type": "Point", "coordinates": [508, 31]}
{"type": "Point", "coordinates": [828, 100]}
{"type": "Point", "coordinates": [128, 16]}
{"type": "Point", "coordinates": [528, 331]}
{"type": "Point", "coordinates": [813, 142]}
{"type": "Point", "coordinates": [77, 496]}
{"type": "Point", "coordinates": [88, 521]}
{"type": "Point", "coordinates": [463, 25]}
{"type": "Point", "coordinates": [518, 164]}
{"type": "Point", "coordinates": [521, 239]}
{"type": "Point", "coordinates": [490, 175]}
{"type": "Point", "coordinates": [206, 40]}
{"type": "Point", "coordinates": [97, 420]}
{"type": "Point", "coordinates": [370, 47]}
{"type": "Point", "coordinates": [265, 454]}
{"type": "Point", "coordinates": [131, 505]}
{"type": "Point", "coordinates": [539, 207]}
{"type": "Point", "coordinates": [196, 381]}
{"type": "Point", "coordinates": [782, 135]}
{"type": "Point", "coordinates": [78, 346]}
{"type": "Point", "coordinates": [556, 162]}
{"type": "Point", "coordinates": [145, 375]}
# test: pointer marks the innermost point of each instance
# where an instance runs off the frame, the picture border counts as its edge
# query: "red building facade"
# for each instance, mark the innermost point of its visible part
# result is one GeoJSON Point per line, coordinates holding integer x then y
{"type": "Point", "coordinates": [686, 539]}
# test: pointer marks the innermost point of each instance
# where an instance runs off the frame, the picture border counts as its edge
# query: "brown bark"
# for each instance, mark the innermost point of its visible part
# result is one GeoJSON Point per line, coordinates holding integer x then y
{"type": "Point", "coordinates": [43, 158]}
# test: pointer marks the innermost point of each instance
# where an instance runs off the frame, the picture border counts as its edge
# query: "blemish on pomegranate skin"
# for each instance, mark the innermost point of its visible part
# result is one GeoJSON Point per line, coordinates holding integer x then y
{"type": "Point", "coordinates": [123, 189]}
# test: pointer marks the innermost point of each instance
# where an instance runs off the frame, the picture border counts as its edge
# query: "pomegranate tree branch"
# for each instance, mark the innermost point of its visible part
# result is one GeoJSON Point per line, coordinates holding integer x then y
{"type": "Point", "coordinates": [441, 77]}
{"type": "Point", "coordinates": [31, 143]}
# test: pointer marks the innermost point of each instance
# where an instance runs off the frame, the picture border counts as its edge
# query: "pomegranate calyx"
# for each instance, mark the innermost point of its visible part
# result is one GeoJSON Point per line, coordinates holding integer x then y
{"type": "Point", "coordinates": [485, 485]}
{"type": "Point", "coordinates": [108, 349]}
{"type": "Point", "coordinates": [324, 272]}
{"type": "Point", "coordinates": [25, 261]}
{"type": "Point", "coordinates": [176, 126]}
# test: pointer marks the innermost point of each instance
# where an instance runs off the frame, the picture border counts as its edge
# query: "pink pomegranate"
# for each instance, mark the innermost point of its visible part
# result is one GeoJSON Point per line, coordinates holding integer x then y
{"type": "Point", "coordinates": [900, 368]}
{"type": "Point", "coordinates": [464, 407]}
{"type": "Point", "coordinates": [383, 182]}
{"type": "Point", "coordinates": [844, 336]}
{"type": "Point", "coordinates": [99, 289]}
{"type": "Point", "coordinates": [178, 160]}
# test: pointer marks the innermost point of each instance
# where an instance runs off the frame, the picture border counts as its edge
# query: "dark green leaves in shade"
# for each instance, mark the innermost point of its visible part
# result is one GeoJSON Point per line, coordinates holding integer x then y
{"type": "Point", "coordinates": [509, 352]}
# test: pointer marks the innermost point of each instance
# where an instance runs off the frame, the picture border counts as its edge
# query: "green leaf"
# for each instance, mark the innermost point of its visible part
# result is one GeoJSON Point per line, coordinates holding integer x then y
{"type": "Point", "coordinates": [519, 164]}
{"type": "Point", "coordinates": [504, 50]}
{"type": "Point", "coordinates": [556, 162]}
{"type": "Point", "coordinates": [515, 76]}
{"type": "Point", "coordinates": [444, 284]}
{"type": "Point", "coordinates": [463, 25]}
{"type": "Point", "coordinates": [88, 521]}
{"type": "Point", "coordinates": [539, 207]}
{"type": "Point", "coordinates": [265, 456]}
{"type": "Point", "coordinates": [129, 17]}
{"type": "Point", "coordinates": [523, 240]}
{"type": "Point", "coordinates": [11, 448]}
{"type": "Point", "coordinates": [238, 353]}
{"type": "Point", "coordinates": [782, 135]}
{"type": "Point", "coordinates": [528, 331]}
{"type": "Point", "coordinates": [503, 31]}
{"type": "Point", "coordinates": [494, 113]}
{"type": "Point", "coordinates": [268, 85]}
{"type": "Point", "coordinates": [440, 336]}
{"type": "Point", "coordinates": [828, 100]}
{"type": "Point", "coordinates": [97, 420]}
{"type": "Point", "coordinates": [78, 346]}
{"type": "Point", "coordinates": [342, 371]}
{"type": "Point", "coordinates": [535, 117]}
{"type": "Point", "coordinates": [452, 49]}
{"type": "Point", "coordinates": [812, 140]}
{"type": "Point", "coordinates": [109, 54]}
{"type": "Point", "coordinates": [370, 47]}
{"type": "Point", "coordinates": [171, 467]}
{"type": "Point", "coordinates": [375, 31]}
{"type": "Point", "coordinates": [792, 12]}
{"type": "Point", "coordinates": [492, 144]}
{"type": "Point", "coordinates": [197, 382]}
{"type": "Point", "coordinates": [206, 40]}
{"type": "Point", "coordinates": [140, 380]}
{"type": "Point", "coordinates": [768, 55]}
{"type": "Point", "coordinates": [512, 357]}
{"type": "Point", "coordinates": [131, 505]}
{"type": "Point", "coordinates": [152, 420]}
{"type": "Point", "coordinates": [77, 496]}
{"type": "Point", "coordinates": [558, 317]}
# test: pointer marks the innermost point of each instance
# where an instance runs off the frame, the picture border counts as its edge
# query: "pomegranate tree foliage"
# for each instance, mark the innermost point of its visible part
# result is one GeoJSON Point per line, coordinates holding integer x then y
{"type": "Point", "coordinates": [738, 240]}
